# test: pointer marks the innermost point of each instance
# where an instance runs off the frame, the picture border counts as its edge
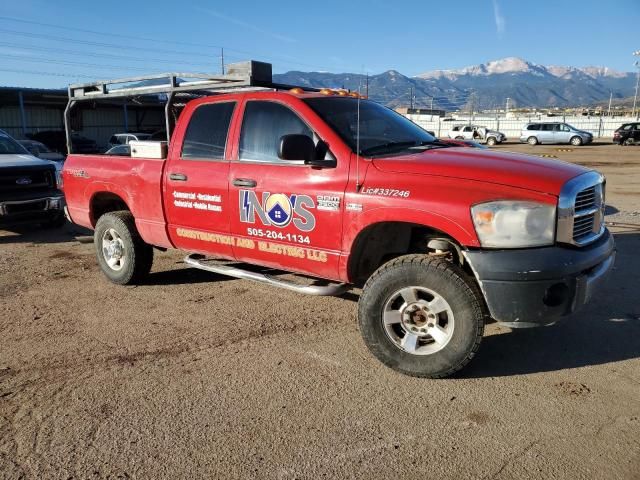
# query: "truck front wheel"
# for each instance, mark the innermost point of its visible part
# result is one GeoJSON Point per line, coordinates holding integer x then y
{"type": "Point", "coordinates": [122, 254]}
{"type": "Point", "coordinates": [421, 316]}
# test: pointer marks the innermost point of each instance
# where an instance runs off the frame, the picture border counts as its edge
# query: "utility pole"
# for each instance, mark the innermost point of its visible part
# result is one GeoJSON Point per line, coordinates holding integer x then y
{"type": "Point", "coordinates": [610, 98]}
{"type": "Point", "coordinates": [506, 109]}
{"type": "Point", "coordinates": [635, 97]}
{"type": "Point", "coordinates": [222, 59]}
{"type": "Point", "coordinates": [411, 97]}
{"type": "Point", "coordinates": [366, 89]}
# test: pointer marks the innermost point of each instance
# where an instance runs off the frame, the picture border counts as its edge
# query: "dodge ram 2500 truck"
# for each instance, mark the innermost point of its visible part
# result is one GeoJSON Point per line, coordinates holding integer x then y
{"type": "Point", "coordinates": [348, 192]}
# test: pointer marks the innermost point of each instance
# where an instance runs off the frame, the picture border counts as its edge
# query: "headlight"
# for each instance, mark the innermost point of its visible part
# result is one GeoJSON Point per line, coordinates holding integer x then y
{"type": "Point", "coordinates": [512, 224]}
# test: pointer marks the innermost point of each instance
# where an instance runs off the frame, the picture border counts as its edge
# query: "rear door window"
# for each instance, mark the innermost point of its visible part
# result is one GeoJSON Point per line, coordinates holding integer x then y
{"type": "Point", "coordinates": [533, 126]}
{"type": "Point", "coordinates": [206, 135]}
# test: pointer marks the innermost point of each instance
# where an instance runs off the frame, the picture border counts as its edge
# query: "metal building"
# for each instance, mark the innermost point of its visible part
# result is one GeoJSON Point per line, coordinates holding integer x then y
{"type": "Point", "coordinates": [25, 111]}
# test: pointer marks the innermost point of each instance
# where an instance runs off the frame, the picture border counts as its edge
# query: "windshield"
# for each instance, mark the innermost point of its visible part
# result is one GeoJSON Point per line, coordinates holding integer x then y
{"type": "Point", "coordinates": [8, 146]}
{"type": "Point", "coordinates": [382, 131]}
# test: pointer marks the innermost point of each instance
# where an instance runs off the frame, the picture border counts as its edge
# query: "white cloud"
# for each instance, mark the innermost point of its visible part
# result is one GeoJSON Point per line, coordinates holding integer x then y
{"type": "Point", "coordinates": [246, 25]}
{"type": "Point", "coordinates": [500, 21]}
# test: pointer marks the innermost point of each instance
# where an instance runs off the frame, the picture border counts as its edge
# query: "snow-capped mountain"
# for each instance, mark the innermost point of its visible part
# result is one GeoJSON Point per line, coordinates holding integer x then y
{"type": "Point", "coordinates": [487, 85]}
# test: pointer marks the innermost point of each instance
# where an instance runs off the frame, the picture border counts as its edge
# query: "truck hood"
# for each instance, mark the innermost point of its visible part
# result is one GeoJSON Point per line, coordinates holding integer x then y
{"type": "Point", "coordinates": [23, 160]}
{"type": "Point", "coordinates": [512, 169]}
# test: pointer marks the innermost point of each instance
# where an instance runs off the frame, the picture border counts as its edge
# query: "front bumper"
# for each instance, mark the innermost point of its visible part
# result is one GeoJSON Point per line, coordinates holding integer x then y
{"type": "Point", "coordinates": [34, 208]}
{"type": "Point", "coordinates": [538, 286]}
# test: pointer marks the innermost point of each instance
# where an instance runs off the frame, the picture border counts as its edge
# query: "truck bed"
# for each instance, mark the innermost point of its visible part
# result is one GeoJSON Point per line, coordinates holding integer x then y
{"type": "Point", "coordinates": [91, 179]}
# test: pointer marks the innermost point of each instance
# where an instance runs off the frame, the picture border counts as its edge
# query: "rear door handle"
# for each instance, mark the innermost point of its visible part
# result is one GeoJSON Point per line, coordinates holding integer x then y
{"type": "Point", "coordinates": [244, 182]}
{"type": "Point", "coordinates": [178, 177]}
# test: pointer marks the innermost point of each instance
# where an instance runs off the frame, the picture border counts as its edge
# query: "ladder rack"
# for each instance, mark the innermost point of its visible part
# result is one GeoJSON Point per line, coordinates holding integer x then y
{"type": "Point", "coordinates": [249, 75]}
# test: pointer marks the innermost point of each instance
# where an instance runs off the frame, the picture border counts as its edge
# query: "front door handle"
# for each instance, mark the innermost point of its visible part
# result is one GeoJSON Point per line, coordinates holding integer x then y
{"type": "Point", "coordinates": [244, 182]}
{"type": "Point", "coordinates": [178, 177]}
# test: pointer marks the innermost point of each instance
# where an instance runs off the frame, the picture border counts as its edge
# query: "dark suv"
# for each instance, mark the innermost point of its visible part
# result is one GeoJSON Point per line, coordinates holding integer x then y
{"type": "Point", "coordinates": [627, 134]}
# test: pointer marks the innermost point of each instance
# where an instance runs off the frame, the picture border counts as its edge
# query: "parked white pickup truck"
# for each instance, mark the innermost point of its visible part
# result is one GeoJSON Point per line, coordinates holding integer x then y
{"type": "Point", "coordinates": [477, 133]}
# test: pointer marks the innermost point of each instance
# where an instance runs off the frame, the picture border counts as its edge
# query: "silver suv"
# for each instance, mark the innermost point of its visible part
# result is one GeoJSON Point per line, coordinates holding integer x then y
{"type": "Point", "coordinates": [534, 133]}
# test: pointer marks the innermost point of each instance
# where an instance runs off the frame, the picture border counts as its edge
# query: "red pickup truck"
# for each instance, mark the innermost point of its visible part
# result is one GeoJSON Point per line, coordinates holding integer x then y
{"type": "Point", "coordinates": [348, 193]}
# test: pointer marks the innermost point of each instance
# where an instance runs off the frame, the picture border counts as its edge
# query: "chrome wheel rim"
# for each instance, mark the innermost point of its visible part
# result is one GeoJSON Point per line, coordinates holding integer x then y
{"type": "Point", "coordinates": [418, 320]}
{"type": "Point", "coordinates": [113, 250]}
{"type": "Point", "coordinates": [576, 141]}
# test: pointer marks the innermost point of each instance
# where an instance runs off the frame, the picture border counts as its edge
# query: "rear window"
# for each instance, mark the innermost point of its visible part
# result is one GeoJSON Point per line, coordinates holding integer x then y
{"type": "Point", "coordinates": [206, 136]}
{"type": "Point", "coordinates": [533, 126]}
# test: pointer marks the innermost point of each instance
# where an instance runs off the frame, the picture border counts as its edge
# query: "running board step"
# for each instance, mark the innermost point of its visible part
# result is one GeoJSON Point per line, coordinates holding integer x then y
{"type": "Point", "coordinates": [198, 261]}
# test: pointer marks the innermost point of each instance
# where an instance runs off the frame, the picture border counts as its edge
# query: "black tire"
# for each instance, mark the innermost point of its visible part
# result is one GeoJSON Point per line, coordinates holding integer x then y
{"type": "Point", "coordinates": [576, 141]}
{"type": "Point", "coordinates": [532, 140]}
{"type": "Point", "coordinates": [491, 141]}
{"type": "Point", "coordinates": [138, 254]}
{"type": "Point", "coordinates": [452, 284]}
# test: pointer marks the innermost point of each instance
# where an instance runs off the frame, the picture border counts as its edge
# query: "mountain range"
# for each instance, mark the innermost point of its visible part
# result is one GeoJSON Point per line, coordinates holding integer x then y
{"type": "Point", "coordinates": [483, 86]}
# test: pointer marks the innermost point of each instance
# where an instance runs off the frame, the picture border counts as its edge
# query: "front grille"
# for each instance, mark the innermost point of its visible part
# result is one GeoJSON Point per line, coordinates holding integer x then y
{"type": "Point", "coordinates": [583, 226]}
{"type": "Point", "coordinates": [20, 179]}
{"type": "Point", "coordinates": [581, 210]}
{"type": "Point", "coordinates": [587, 206]}
{"type": "Point", "coordinates": [586, 198]}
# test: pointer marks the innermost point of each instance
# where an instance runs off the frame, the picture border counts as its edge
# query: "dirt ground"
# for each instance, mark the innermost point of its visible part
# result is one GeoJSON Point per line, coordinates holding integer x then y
{"type": "Point", "coordinates": [197, 376]}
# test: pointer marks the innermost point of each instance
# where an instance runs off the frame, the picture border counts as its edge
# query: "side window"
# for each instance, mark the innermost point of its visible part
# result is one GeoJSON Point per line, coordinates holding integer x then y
{"type": "Point", "coordinates": [547, 127]}
{"type": "Point", "coordinates": [263, 125]}
{"type": "Point", "coordinates": [206, 135]}
{"type": "Point", "coordinates": [455, 129]}
{"type": "Point", "coordinates": [467, 129]}
{"type": "Point", "coordinates": [113, 140]}
{"type": "Point", "coordinates": [533, 126]}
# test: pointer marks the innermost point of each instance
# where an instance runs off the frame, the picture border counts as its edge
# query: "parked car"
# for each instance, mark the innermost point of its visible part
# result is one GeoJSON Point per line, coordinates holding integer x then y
{"type": "Point", "coordinates": [56, 140]}
{"type": "Point", "coordinates": [119, 150]}
{"type": "Point", "coordinates": [554, 132]}
{"type": "Point", "coordinates": [40, 150]}
{"type": "Point", "coordinates": [627, 134]}
{"type": "Point", "coordinates": [125, 138]}
{"type": "Point", "coordinates": [477, 133]}
{"type": "Point", "coordinates": [29, 186]}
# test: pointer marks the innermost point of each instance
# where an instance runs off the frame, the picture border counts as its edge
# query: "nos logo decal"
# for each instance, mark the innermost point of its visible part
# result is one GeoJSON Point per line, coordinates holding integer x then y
{"type": "Point", "coordinates": [278, 209]}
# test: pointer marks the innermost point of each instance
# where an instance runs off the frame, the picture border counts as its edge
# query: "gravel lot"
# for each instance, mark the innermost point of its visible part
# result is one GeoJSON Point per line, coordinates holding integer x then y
{"type": "Point", "coordinates": [197, 376]}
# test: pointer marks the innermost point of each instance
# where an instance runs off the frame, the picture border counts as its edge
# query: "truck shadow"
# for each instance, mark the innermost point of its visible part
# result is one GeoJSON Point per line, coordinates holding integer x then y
{"type": "Point", "coordinates": [605, 331]}
{"type": "Point", "coordinates": [35, 233]}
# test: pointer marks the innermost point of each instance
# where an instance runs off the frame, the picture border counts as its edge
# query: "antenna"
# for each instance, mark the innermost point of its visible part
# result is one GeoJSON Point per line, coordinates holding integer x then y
{"type": "Point", "coordinates": [358, 137]}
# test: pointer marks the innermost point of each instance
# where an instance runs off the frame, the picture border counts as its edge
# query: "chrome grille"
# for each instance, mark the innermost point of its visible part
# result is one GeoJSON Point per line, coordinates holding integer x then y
{"type": "Point", "coordinates": [581, 210]}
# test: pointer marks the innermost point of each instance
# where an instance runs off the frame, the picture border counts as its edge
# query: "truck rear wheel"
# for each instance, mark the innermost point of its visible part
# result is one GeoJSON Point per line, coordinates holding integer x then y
{"type": "Point", "coordinates": [420, 316]}
{"type": "Point", "coordinates": [491, 141]}
{"type": "Point", "coordinates": [122, 254]}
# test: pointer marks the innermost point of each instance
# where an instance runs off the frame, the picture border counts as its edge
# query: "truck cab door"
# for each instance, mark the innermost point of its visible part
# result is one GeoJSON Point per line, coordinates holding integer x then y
{"type": "Point", "coordinates": [196, 183]}
{"type": "Point", "coordinates": [284, 214]}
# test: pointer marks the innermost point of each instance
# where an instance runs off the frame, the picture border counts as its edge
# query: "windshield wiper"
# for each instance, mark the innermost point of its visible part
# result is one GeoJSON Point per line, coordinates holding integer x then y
{"type": "Point", "coordinates": [387, 146]}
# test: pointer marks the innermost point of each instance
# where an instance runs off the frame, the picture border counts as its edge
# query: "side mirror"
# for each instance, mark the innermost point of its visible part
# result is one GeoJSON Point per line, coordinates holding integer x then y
{"type": "Point", "coordinates": [297, 147]}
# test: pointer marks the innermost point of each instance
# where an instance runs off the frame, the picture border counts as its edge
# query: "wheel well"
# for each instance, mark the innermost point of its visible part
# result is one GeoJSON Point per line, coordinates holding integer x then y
{"type": "Point", "coordinates": [381, 242]}
{"type": "Point", "coordinates": [105, 202]}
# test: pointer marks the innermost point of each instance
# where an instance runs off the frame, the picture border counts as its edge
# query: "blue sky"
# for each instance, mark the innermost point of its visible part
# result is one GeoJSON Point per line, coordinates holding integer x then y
{"type": "Point", "coordinates": [133, 38]}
